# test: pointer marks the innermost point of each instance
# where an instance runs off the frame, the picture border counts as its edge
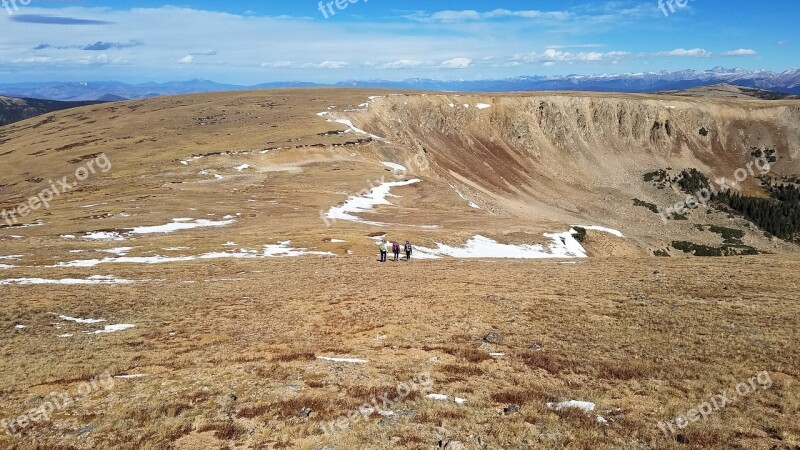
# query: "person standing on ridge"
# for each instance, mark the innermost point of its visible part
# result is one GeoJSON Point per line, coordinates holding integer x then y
{"type": "Point", "coordinates": [382, 247]}
{"type": "Point", "coordinates": [408, 249]}
{"type": "Point", "coordinates": [396, 250]}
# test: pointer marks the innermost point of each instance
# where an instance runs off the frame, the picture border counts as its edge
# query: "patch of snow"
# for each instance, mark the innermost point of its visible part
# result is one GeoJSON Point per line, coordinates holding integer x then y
{"type": "Point", "coordinates": [79, 320]}
{"type": "Point", "coordinates": [394, 166]}
{"type": "Point", "coordinates": [130, 377]}
{"type": "Point", "coordinates": [29, 225]}
{"type": "Point", "coordinates": [437, 396]}
{"type": "Point", "coordinates": [95, 279]}
{"type": "Point", "coordinates": [483, 106]}
{"type": "Point", "coordinates": [280, 250]}
{"type": "Point", "coordinates": [119, 251]}
{"type": "Point", "coordinates": [218, 176]}
{"type": "Point", "coordinates": [193, 158]}
{"type": "Point", "coordinates": [92, 206]}
{"type": "Point", "coordinates": [377, 196]}
{"type": "Point", "coordinates": [6, 266]}
{"type": "Point", "coordinates": [20, 327]}
{"type": "Point", "coordinates": [573, 404]}
{"type": "Point", "coordinates": [64, 336]}
{"type": "Point", "coordinates": [353, 128]}
{"type": "Point", "coordinates": [103, 236]}
{"type": "Point", "coordinates": [337, 241]}
{"type": "Point", "coordinates": [344, 360]}
{"type": "Point", "coordinates": [497, 355]}
{"type": "Point", "coordinates": [243, 167]}
{"type": "Point", "coordinates": [563, 246]}
{"type": "Point", "coordinates": [10, 257]}
{"type": "Point", "coordinates": [176, 249]}
{"type": "Point", "coordinates": [603, 229]}
{"type": "Point", "coordinates": [178, 225]}
{"type": "Point", "coordinates": [460, 401]}
{"type": "Point", "coordinates": [112, 328]}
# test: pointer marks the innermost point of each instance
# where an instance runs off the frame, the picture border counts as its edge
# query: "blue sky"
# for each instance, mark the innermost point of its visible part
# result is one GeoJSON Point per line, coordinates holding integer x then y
{"type": "Point", "coordinates": [250, 42]}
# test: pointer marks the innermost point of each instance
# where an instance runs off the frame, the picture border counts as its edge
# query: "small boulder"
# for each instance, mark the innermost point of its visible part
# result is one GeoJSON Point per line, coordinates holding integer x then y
{"type": "Point", "coordinates": [492, 337]}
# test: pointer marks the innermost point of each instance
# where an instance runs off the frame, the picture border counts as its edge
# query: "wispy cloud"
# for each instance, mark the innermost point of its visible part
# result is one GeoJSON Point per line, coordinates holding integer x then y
{"type": "Point", "coordinates": [457, 63]}
{"type": "Point", "coordinates": [100, 45]}
{"type": "Point", "coordinates": [55, 20]}
{"type": "Point", "coordinates": [741, 52]}
{"type": "Point", "coordinates": [693, 53]}
{"type": "Point", "coordinates": [552, 55]}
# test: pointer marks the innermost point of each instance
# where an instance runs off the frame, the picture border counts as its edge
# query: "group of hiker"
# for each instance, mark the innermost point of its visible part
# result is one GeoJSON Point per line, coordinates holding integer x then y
{"type": "Point", "coordinates": [384, 248]}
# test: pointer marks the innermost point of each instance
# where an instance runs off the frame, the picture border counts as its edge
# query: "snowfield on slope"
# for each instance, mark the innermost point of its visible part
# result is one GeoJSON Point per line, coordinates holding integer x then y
{"type": "Point", "coordinates": [279, 250]}
{"type": "Point", "coordinates": [365, 203]}
{"type": "Point", "coordinates": [562, 245]}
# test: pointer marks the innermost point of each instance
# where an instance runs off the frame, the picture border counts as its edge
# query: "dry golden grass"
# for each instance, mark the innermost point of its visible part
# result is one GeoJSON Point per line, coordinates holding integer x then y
{"type": "Point", "coordinates": [240, 370]}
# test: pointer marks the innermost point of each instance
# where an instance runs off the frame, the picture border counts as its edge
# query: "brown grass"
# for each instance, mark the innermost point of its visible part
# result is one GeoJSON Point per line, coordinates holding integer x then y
{"type": "Point", "coordinates": [212, 331]}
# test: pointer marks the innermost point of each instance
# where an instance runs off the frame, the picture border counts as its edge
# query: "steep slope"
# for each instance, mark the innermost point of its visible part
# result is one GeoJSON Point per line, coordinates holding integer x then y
{"type": "Point", "coordinates": [582, 157]}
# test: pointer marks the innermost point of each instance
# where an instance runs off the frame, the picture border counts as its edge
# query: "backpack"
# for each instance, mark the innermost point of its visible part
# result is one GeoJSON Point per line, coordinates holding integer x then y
{"type": "Point", "coordinates": [408, 247]}
{"type": "Point", "coordinates": [395, 247]}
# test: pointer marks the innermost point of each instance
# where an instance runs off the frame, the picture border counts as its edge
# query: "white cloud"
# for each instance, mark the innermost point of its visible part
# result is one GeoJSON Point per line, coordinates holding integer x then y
{"type": "Point", "coordinates": [553, 55]}
{"type": "Point", "coordinates": [741, 52]}
{"type": "Point", "coordinates": [188, 59]}
{"type": "Point", "coordinates": [457, 63]}
{"type": "Point", "coordinates": [694, 53]}
{"type": "Point", "coordinates": [403, 64]}
{"type": "Point", "coordinates": [333, 65]}
{"type": "Point", "coordinates": [278, 64]}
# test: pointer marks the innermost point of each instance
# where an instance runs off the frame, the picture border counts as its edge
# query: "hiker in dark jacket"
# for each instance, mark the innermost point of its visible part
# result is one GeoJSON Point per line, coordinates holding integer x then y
{"type": "Point", "coordinates": [409, 250]}
{"type": "Point", "coordinates": [396, 250]}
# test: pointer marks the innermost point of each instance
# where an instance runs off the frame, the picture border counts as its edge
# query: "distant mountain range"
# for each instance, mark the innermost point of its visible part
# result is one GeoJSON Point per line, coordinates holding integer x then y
{"type": "Point", "coordinates": [787, 82]}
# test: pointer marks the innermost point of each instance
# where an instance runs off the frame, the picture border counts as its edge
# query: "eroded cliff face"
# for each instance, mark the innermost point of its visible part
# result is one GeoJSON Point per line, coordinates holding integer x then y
{"type": "Point", "coordinates": [572, 157]}
{"type": "Point", "coordinates": [524, 144]}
